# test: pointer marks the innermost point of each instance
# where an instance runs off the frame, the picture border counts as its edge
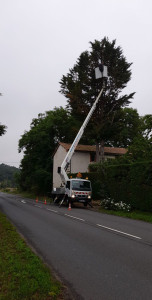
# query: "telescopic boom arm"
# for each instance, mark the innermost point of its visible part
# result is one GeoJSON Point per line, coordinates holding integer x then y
{"type": "Point", "coordinates": [68, 157]}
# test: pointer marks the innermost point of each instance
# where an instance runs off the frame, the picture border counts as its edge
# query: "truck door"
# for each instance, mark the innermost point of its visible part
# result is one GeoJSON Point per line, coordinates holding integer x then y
{"type": "Point", "coordinates": [67, 188]}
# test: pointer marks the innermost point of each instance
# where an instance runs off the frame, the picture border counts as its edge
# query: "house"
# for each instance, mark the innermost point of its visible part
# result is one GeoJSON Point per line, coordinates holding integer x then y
{"type": "Point", "coordinates": [82, 157]}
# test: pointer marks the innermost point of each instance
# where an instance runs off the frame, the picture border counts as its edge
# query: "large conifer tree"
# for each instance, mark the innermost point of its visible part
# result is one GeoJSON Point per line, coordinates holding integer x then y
{"type": "Point", "coordinates": [81, 89]}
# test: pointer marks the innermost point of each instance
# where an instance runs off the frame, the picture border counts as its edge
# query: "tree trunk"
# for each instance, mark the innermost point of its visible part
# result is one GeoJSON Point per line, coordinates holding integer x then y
{"type": "Point", "coordinates": [97, 152]}
{"type": "Point", "coordinates": [100, 151]}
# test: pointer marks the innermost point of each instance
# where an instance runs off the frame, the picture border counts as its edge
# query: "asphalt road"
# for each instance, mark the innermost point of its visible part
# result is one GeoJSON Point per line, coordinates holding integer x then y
{"type": "Point", "coordinates": [99, 257]}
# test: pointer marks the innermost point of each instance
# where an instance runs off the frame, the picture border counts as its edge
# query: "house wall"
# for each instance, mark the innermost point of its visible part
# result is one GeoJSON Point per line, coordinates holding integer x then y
{"type": "Point", "coordinates": [57, 161]}
{"type": "Point", "coordinates": [79, 163]}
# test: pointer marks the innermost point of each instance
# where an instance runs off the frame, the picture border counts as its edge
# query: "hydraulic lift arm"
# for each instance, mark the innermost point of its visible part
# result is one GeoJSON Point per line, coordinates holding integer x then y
{"type": "Point", "coordinates": [68, 156]}
{"type": "Point", "coordinates": [99, 73]}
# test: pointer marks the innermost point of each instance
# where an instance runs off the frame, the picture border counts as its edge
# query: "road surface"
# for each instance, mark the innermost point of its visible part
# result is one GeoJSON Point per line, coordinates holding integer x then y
{"type": "Point", "coordinates": [99, 257]}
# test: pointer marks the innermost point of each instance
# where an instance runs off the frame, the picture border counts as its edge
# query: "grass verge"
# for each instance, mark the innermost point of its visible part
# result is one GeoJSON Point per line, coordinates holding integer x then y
{"type": "Point", "coordinates": [136, 215]}
{"type": "Point", "coordinates": [22, 274]}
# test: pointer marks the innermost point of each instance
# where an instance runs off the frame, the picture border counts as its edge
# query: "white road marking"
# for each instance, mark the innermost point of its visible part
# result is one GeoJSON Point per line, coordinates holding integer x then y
{"type": "Point", "coordinates": [74, 217]}
{"type": "Point", "coordinates": [134, 236]}
{"type": "Point", "coordinates": [23, 201]}
{"type": "Point", "coordinates": [52, 210]}
{"type": "Point", "coordinates": [112, 229]}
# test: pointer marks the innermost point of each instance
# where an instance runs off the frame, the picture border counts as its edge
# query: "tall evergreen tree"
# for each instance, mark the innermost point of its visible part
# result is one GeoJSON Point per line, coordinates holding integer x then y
{"type": "Point", "coordinates": [126, 127]}
{"type": "Point", "coordinates": [81, 89]}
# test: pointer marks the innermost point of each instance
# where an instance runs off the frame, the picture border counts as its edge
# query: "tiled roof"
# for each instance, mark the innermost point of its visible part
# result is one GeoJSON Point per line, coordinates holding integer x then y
{"type": "Point", "coordinates": [89, 148]}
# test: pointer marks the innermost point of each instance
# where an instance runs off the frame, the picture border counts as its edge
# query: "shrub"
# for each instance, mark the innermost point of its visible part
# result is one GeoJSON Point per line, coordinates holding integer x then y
{"type": "Point", "coordinates": [119, 185]}
{"type": "Point", "coordinates": [110, 204]}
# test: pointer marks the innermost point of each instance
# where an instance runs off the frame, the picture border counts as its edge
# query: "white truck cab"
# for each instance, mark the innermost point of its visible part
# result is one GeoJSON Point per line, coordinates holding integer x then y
{"type": "Point", "coordinates": [79, 190]}
{"type": "Point", "coordinates": [75, 190]}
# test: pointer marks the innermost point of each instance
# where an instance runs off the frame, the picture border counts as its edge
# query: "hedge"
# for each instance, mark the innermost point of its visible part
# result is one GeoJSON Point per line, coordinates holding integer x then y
{"type": "Point", "coordinates": [129, 183]}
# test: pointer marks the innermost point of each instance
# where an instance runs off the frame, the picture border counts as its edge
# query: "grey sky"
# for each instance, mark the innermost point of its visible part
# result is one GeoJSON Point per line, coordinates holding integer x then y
{"type": "Point", "coordinates": [41, 39]}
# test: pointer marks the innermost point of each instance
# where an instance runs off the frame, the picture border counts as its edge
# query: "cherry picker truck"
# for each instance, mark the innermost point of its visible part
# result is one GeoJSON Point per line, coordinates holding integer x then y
{"type": "Point", "coordinates": [77, 189]}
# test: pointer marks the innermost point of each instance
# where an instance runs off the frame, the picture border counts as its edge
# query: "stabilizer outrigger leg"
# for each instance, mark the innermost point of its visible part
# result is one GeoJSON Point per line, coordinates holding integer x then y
{"type": "Point", "coordinates": [62, 201]}
{"type": "Point", "coordinates": [90, 204]}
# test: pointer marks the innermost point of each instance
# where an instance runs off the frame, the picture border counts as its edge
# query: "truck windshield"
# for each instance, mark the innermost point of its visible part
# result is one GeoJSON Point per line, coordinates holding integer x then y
{"type": "Point", "coordinates": [80, 185]}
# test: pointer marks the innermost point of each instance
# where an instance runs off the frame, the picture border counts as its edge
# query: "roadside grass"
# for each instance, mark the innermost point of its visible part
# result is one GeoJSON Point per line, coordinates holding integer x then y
{"type": "Point", "coordinates": [22, 274]}
{"type": "Point", "coordinates": [136, 215]}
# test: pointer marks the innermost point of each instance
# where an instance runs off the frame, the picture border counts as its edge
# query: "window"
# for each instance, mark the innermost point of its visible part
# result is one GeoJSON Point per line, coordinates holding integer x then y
{"type": "Point", "coordinates": [92, 156]}
{"type": "Point", "coordinates": [81, 185]}
{"type": "Point", "coordinates": [68, 185]}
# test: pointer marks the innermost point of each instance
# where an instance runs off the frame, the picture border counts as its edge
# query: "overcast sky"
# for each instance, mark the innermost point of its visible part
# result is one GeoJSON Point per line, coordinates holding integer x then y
{"type": "Point", "coordinates": [41, 39]}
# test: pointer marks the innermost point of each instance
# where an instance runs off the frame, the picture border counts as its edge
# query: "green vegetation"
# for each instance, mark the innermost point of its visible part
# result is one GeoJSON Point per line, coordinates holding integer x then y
{"type": "Point", "coordinates": [39, 144]}
{"type": "Point", "coordinates": [8, 176]}
{"type": "Point", "coordinates": [135, 215]}
{"type": "Point", "coordinates": [22, 273]}
{"type": "Point", "coordinates": [119, 182]}
{"type": "Point", "coordinates": [127, 126]}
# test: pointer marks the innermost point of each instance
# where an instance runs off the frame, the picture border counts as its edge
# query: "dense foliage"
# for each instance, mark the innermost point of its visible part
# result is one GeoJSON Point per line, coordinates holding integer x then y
{"type": "Point", "coordinates": [39, 144]}
{"type": "Point", "coordinates": [130, 184]}
{"type": "Point", "coordinates": [127, 179]}
{"type": "Point", "coordinates": [127, 126]}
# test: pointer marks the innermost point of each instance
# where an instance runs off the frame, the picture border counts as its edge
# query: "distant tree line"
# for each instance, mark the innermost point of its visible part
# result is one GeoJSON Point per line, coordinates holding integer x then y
{"type": "Point", "coordinates": [8, 176]}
